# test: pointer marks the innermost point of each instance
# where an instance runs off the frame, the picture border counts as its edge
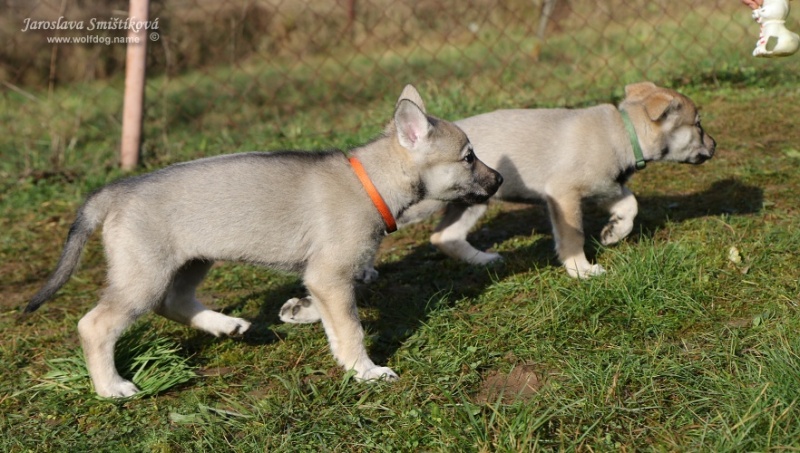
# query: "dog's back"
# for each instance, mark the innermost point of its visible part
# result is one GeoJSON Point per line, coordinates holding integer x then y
{"type": "Point", "coordinates": [227, 207]}
{"type": "Point", "coordinates": [530, 147]}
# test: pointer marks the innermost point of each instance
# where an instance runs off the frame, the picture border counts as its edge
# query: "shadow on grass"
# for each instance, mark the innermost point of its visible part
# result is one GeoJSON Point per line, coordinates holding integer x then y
{"type": "Point", "coordinates": [724, 197]}
{"type": "Point", "coordinates": [424, 280]}
{"type": "Point", "coordinates": [260, 332]}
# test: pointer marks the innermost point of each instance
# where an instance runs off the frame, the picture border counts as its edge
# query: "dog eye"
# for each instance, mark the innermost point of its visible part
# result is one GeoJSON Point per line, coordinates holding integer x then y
{"type": "Point", "coordinates": [470, 157]}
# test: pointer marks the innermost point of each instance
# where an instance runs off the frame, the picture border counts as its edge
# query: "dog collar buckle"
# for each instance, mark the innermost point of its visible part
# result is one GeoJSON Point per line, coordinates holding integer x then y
{"type": "Point", "coordinates": [637, 148]}
{"type": "Point", "coordinates": [374, 195]}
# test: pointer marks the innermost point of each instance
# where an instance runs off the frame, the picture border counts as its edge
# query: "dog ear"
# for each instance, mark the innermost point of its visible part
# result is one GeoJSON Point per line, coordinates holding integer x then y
{"type": "Point", "coordinates": [411, 93]}
{"type": "Point", "coordinates": [659, 104]}
{"type": "Point", "coordinates": [639, 90]}
{"type": "Point", "coordinates": [411, 123]}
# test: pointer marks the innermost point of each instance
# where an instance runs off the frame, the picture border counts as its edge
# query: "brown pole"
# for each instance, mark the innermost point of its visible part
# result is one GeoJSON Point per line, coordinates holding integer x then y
{"type": "Point", "coordinates": [547, 11]}
{"type": "Point", "coordinates": [132, 107]}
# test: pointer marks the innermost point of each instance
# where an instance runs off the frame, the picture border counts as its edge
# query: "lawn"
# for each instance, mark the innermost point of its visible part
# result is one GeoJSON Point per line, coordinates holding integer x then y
{"type": "Point", "coordinates": [690, 342]}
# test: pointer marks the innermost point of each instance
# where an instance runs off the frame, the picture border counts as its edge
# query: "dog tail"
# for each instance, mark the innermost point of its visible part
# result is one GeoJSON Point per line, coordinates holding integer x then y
{"type": "Point", "coordinates": [89, 216]}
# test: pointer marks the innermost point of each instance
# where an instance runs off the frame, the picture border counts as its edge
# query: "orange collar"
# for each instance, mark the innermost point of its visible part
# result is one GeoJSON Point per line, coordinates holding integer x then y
{"type": "Point", "coordinates": [374, 195]}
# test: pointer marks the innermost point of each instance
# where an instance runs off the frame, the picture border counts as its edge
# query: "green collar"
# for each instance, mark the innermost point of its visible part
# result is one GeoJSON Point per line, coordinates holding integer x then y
{"type": "Point", "coordinates": [637, 149]}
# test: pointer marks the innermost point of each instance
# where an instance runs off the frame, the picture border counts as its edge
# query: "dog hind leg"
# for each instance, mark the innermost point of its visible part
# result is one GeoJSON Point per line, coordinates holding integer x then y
{"type": "Point", "coordinates": [133, 290]}
{"type": "Point", "coordinates": [181, 305]}
{"type": "Point", "coordinates": [450, 235]}
{"type": "Point", "coordinates": [99, 331]}
{"type": "Point", "coordinates": [138, 277]}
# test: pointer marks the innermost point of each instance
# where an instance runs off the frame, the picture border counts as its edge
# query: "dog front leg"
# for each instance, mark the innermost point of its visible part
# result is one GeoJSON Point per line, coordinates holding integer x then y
{"type": "Point", "coordinates": [623, 210]}
{"type": "Point", "coordinates": [335, 302]}
{"type": "Point", "coordinates": [566, 217]}
{"type": "Point", "coordinates": [451, 234]}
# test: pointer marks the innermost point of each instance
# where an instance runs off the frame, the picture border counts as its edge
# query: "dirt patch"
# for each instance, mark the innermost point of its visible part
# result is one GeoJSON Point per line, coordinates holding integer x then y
{"type": "Point", "coordinates": [520, 384]}
{"type": "Point", "coordinates": [216, 371]}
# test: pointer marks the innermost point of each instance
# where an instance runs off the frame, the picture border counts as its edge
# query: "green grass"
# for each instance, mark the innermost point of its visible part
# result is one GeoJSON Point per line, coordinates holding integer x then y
{"type": "Point", "coordinates": [681, 346]}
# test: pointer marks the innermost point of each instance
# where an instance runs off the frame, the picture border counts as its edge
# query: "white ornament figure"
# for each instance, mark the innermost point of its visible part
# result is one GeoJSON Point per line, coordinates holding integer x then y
{"type": "Point", "coordinates": [775, 39]}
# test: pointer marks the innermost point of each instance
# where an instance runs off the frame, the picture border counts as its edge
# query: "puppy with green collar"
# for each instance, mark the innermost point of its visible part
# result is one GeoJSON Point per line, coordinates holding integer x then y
{"type": "Point", "coordinates": [565, 156]}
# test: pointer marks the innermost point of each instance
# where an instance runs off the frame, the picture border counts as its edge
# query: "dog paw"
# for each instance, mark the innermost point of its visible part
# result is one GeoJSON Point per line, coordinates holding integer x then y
{"type": "Point", "coordinates": [218, 324]}
{"type": "Point", "coordinates": [367, 275]}
{"type": "Point", "coordinates": [617, 229]}
{"type": "Point", "coordinates": [591, 270]}
{"type": "Point", "coordinates": [299, 311]}
{"type": "Point", "coordinates": [232, 327]}
{"type": "Point", "coordinates": [378, 373]}
{"type": "Point", "coordinates": [484, 258]}
{"type": "Point", "coordinates": [118, 389]}
{"type": "Point", "coordinates": [611, 234]}
{"type": "Point", "coordinates": [239, 327]}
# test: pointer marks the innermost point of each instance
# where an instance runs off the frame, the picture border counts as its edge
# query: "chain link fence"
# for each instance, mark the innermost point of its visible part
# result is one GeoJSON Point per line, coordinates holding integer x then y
{"type": "Point", "coordinates": [257, 62]}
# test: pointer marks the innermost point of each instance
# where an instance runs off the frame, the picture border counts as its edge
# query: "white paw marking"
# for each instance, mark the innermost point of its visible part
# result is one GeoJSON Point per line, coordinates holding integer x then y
{"type": "Point", "coordinates": [218, 324]}
{"type": "Point", "coordinates": [299, 311]}
{"type": "Point", "coordinates": [616, 230]}
{"type": "Point", "coordinates": [378, 373]}
{"type": "Point", "coordinates": [119, 389]}
{"type": "Point", "coordinates": [592, 270]}
{"type": "Point", "coordinates": [230, 326]}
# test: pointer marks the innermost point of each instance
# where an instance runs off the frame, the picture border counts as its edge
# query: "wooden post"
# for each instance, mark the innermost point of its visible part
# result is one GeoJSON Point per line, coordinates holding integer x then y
{"type": "Point", "coordinates": [547, 11]}
{"type": "Point", "coordinates": [132, 107]}
{"type": "Point", "coordinates": [351, 20]}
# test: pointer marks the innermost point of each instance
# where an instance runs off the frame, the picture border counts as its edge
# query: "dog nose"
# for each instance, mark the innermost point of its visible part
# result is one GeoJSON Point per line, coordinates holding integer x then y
{"type": "Point", "coordinates": [499, 179]}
